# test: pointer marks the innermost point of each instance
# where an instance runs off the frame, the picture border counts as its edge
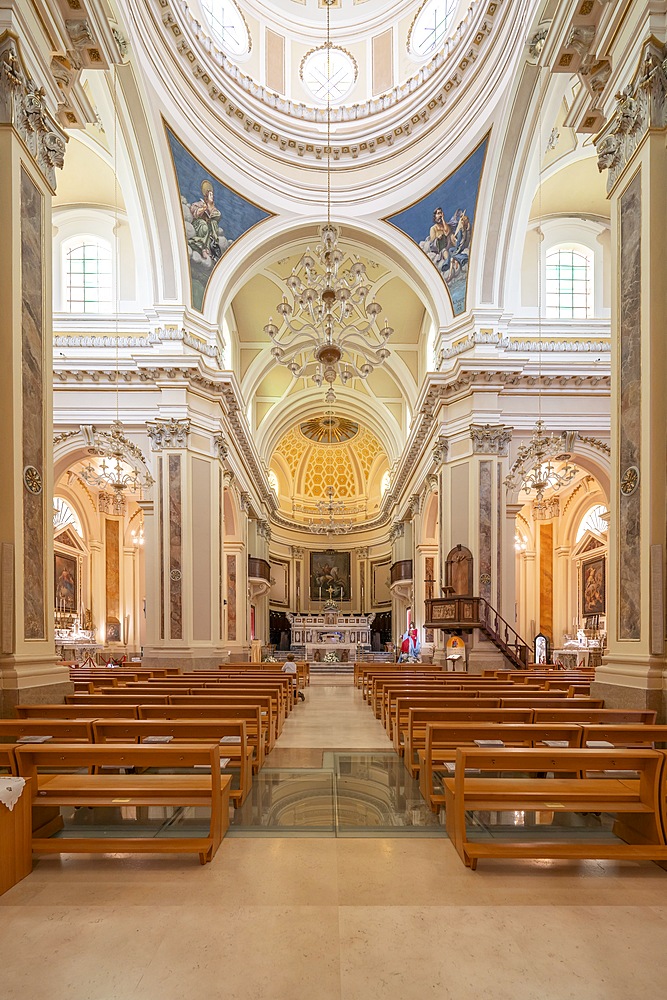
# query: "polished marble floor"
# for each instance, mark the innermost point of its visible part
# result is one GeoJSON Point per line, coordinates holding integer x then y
{"type": "Point", "coordinates": [308, 918]}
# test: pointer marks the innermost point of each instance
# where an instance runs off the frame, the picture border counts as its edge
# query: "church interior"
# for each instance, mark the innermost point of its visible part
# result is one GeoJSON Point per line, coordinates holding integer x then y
{"type": "Point", "coordinates": [333, 343]}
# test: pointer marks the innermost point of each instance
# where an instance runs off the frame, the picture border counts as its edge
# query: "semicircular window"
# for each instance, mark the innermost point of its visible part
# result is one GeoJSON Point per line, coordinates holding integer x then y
{"type": "Point", "coordinates": [592, 521]}
{"type": "Point", "coordinates": [228, 26]}
{"type": "Point", "coordinates": [329, 74]}
{"type": "Point", "coordinates": [432, 25]}
{"type": "Point", "coordinates": [64, 517]}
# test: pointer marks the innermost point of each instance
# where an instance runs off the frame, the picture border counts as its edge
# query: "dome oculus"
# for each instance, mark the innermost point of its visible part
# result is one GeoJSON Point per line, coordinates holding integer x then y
{"type": "Point", "coordinates": [329, 73]}
{"type": "Point", "coordinates": [228, 26]}
{"type": "Point", "coordinates": [431, 26]}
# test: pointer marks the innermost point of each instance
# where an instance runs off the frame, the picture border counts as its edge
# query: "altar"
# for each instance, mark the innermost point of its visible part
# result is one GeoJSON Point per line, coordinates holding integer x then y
{"type": "Point", "coordinates": [331, 631]}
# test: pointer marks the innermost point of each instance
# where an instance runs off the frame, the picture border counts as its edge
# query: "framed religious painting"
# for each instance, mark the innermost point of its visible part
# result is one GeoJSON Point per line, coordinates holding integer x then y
{"type": "Point", "coordinates": [330, 576]}
{"type": "Point", "coordinates": [593, 587]}
{"type": "Point", "coordinates": [65, 582]}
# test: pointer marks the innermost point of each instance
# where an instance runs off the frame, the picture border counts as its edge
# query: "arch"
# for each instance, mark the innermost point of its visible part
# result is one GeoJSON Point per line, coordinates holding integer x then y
{"type": "Point", "coordinates": [459, 572]}
{"type": "Point", "coordinates": [231, 513]}
{"type": "Point", "coordinates": [431, 518]}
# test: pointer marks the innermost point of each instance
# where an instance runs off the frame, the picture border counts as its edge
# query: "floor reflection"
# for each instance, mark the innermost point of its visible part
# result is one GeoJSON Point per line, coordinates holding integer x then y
{"type": "Point", "coordinates": [353, 794]}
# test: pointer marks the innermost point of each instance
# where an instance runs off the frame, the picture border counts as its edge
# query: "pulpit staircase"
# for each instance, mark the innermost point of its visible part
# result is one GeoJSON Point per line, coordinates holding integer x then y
{"type": "Point", "coordinates": [462, 614]}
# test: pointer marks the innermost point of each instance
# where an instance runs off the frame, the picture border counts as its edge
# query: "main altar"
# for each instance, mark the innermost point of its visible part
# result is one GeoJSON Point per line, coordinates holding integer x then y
{"type": "Point", "coordinates": [331, 631]}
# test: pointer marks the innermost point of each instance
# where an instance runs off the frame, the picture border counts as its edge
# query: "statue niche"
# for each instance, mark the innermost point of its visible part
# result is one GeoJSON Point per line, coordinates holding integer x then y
{"type": "Point", "coordinates": [459, 572]}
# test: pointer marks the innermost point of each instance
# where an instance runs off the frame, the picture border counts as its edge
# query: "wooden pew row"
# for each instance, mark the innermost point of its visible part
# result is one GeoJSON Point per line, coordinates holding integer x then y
{"type": "Point", "coordinates": [57, 730]}
{"type": "Point", "coordinates": [398, 721]}
{"type": "Point", "coordinates": [256, 729]}
{"type": "Point", "coordinates": [499, 694]}
{"type": "Point", "coordinates": [438, 755]}
{"type": "Point", "coordinates": [231, 735]}
{"type": "Point", "coordinates": [420, 718]}
{"type": "Point", "coordinates": [361, 668]}
{"type": "Point", "coordinates": [7, 759]}
{"type": "Point", "coordinates": [638, 804]}
{"type": "Point", "coordinates": [262, 701]}
{"type": "Point", "coordinates": [382, 687]}
{"type": "Point", "coordinates": [442, 736]}
{"type": "Point", "coordinates": [251, 715]}
{"type": "Point", "coordinates": [62, 786]}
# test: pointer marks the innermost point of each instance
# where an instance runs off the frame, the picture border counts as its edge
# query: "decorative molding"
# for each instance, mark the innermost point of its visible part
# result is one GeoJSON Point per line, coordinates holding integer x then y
{"type": "Point", "coordinates": [245, 502]}
{"type": "Point", "coordinates": [491, 440]}
{"type": "Point", "coordinates": [545, 510]}
{"type": "Point", "coordinates": [453, 62]}
{"type": "Point", "coordinates": [22, 106]}
{"type": "Point", "coordinates": [415, 504]}
{"type": "Point", "coordinates": [361, 552]}
{"type": "Point", "coordinates": [397, 530]}
{"type": "Point", "coordinates": [170, 433]}
{"type": "Point", "coordinates": [594, 443]}
{"type": "Point", "coordinates": [221, 445]}
{"type": "Point", "coordinates": [160, 335]}
{"type": "Point", "coordinates": [264, 530]}
{"type": "Point", "coordinates": [111, 503]}
{"type": "Point", "coordinates": [640, 106]}
{"type": "Point", "coordinates": [296, 551]}
{"type": "Point", "coordinates": [440, 451]}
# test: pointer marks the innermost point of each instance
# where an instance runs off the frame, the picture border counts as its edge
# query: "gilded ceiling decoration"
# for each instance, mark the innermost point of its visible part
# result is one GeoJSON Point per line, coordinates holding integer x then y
{"type": "Point", "coordinates": [329, 429]}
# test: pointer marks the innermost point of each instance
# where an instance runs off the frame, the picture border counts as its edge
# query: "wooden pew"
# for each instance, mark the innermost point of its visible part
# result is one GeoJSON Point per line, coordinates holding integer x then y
{"type": "Point", "coordinates": [419, 717]}
{"type": "Point", "coordinates": [114, 699]}
{"type": "Point", "coordinates": [95, 710]}
{"type": "Point", "coordinates": [7, 759]}
{"type": "Point", "coordinates": [137, 789]}
{"type": "Point", "coordinates": [580, 714]}
{"type": "Point", "coordinates": [230, 734]}
{"type": "Point", "coordinates": [643, 736]}
{"type": "Point", "coordinates": [398, 721]}
{"type": "Point", "coordinates": [57, 730]}
{"type": "Point", "coordinates": [266, 703]}
{"type": "Point", "coordinates": [636, 803]}
{"type": "Point", "coordinates": [251, 715]}
{"type": "Point", "coordinates": [544, 703]}
{"type": "Point", "coordinates": [437, 757]}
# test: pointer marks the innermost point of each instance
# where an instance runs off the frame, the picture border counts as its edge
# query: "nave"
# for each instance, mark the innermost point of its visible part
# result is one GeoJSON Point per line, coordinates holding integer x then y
{"type": "Point", "coordinates": [337, 918]}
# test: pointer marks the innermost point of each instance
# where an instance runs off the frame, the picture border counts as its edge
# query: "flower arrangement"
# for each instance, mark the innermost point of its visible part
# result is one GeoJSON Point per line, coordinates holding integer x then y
{"type": "Point", "coordinates": [331, 657]}
{"type": "Point", "coordinates": [270, 659]}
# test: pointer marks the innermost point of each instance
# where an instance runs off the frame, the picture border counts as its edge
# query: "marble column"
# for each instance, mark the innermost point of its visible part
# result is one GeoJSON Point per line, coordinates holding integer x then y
{"type": "Point", "coordinates": [183, 627]}
{"type": "Point", "coordinates": [31, 147]}
{"type": "Point", "coordinates": [632, 148]}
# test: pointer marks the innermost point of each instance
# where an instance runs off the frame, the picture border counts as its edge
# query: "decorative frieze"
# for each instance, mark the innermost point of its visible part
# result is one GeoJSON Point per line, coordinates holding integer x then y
{"type": "Point", "coordinates": [490, 440]}
{"type": "Point", "coordinates": [22, 106]}
{"type": "Point", "coordinates": [170, 433]}
{"type": "Point", "coordinates": [639, 107]}
{"type": "Point", "coordinates": [545, 510]}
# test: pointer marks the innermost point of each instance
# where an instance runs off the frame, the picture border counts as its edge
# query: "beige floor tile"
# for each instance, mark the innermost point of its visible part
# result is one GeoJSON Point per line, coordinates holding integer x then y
{"type": "Point", "coordinates": [502, 953]}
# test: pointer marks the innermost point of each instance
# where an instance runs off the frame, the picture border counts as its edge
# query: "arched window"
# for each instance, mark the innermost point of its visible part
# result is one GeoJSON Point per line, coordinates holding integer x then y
{"type": "Point", "coordinates": [87, 275]}
{"type": "Point", "coordinates": [273, 482]}
{"type": "Point", "coordinates": [592, 521]}
{"type": "Point", "coordinates": [64, 516]}
{"type": "Point", "coordinates": [227, 26]}
{"type": "Point", "coordinates": [385, 482]}
{"type": "Point", "coordinates": [569, 282]}
{"type": "Point", "coordinates": [431, 26]}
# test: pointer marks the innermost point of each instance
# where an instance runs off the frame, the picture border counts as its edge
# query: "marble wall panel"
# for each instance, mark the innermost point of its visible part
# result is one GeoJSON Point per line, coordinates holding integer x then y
{"type": "Point", "coordinates": [547, 580]}
{"type": "Point", "coordinates": [231, 597]}
{"type": "Point", "coordinates": [429, 583]}
{"type": "Point", "coordinates": [485, 514]}
{"type": "Point", "coordinates": [499, 536]}
{"type": "Point", "coordinates": [630, 372]}
{"type": "Point", "coordinates": [112, 578]}
{"type": "Point", "coordinates": [460, 504]}
{"type": "Point", "coordinates": [32, 376]}
{"type": "Point", "coordinates": [175, 548]}
{"type": "Point", "coordinates": [160, 529]}
{"type": "Point", "coordinates": [201, 549]}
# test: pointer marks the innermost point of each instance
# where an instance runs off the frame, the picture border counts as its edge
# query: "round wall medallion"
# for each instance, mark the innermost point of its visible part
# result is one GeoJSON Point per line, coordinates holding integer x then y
{"type": "Point", "coordinates": [175, 575]}
{"type": "Point", "coordinates": [630, 481]}
{"type": "Point", "coordinates": [32, 480]}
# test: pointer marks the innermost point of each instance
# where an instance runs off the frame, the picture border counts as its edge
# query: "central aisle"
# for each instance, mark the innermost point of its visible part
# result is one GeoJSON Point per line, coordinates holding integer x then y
{"type": "Point", "coordinates": [334, 716]}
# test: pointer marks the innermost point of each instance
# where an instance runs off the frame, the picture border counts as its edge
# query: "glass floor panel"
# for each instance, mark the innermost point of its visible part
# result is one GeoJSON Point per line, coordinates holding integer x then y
{"type": "Point", "coordinates": [353, 794]}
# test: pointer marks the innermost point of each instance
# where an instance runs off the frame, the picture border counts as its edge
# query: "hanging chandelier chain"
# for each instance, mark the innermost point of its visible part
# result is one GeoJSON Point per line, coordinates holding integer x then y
{"type": "Point", "coordinates": [329, 320]}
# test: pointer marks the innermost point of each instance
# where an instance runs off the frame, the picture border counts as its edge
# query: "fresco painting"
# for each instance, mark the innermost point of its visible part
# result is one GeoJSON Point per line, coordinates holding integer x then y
{"type": "Point", "coordinates": [214, 216]}
{"type": "Point", "coordinates": [442, 224]}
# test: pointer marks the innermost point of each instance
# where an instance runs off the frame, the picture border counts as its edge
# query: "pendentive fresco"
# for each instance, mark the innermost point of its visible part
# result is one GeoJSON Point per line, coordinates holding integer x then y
{"type": "Point", "coordinates": [442, 224]}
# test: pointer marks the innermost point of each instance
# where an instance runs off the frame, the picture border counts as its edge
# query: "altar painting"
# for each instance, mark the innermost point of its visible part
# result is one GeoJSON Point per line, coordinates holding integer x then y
{"type": "Point", "coordinates": [213, 214]}
{"type": "Point", "coordinates": [442, 222]}
{"type": "Point", "coordinates": [66, 583]}
{"type": "Point", "coordinates": [593, 587]}
{"type": "Point", "coordinates": [330, 576]}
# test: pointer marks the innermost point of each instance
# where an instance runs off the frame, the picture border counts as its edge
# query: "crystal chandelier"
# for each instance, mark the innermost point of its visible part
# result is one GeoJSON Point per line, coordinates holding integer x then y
{"type": "Point", "coordinates": [329, 329]}
{"type": "Point", "coordinates": [541, 464]}
{"type": "Point", "coordinates": [117, 471]}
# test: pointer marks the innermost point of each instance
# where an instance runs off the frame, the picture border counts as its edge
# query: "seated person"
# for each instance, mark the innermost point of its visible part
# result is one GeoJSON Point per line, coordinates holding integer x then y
{"type": "Point", "coordinates": [289, 667]}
